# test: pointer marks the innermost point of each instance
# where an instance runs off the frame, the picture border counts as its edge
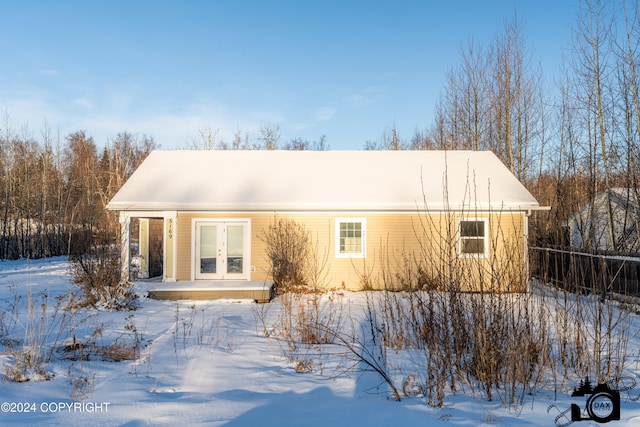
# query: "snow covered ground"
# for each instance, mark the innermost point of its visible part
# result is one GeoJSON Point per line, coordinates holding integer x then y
{"type": "Point", "coordinates": [208, 363]}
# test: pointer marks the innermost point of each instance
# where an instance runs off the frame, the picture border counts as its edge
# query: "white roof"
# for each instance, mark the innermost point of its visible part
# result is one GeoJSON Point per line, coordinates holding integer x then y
{"type": "Point", "coordinates": [624, 199]}
{"type": "Point", "coordinates": [322, 181]}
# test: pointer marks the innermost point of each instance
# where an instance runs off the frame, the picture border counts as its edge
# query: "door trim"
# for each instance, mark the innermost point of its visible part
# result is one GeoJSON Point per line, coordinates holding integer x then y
{"type": "Point", "coordinates": [246, 275]}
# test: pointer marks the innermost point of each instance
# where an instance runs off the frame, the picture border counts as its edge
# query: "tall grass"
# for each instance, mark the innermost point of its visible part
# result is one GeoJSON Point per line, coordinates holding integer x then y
{"type": "Point", "coordinates": [478, 323]}
{"type": "Point", "coordinates": [42, 328]}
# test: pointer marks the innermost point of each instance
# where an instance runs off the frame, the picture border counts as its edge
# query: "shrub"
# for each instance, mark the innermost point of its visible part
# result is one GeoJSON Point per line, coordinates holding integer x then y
{"type": "Point", "coordinates": [98, 274]}
{"type": "Point", "coordinates": [288, 247]}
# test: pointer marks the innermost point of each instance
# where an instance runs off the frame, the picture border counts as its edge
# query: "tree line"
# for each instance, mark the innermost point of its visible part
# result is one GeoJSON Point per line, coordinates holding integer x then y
{"type": "Point", "coordinates": [53, 193]}
{"type": "Point", "coordinates": [568, 142]}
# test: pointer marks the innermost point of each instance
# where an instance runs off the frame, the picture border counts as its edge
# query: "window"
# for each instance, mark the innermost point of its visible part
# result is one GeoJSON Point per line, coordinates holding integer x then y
{"type": "Point", "coordinates": [350, 237]}
{"type": "Point", "coordinates": [473, 238]}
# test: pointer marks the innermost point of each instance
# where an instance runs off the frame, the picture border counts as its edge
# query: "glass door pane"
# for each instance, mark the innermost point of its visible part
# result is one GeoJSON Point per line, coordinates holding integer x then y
{"type": "Point", "coordinates": [235, 249]}
{"type": "Point", "coordinates": [208, 249]}
{"type": "Point", "coordinates": [222, 250]}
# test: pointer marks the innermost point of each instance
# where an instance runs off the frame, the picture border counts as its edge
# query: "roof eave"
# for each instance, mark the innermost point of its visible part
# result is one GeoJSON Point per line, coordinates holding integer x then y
{"type": "Point", "coordinates": [324, 207]}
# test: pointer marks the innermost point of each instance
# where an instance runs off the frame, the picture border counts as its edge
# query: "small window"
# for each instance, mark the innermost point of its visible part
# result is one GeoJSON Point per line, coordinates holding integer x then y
{"type": "Point", "coordinates": [473, 238]}
{"type": "Point", "coordinates": [350, 237]}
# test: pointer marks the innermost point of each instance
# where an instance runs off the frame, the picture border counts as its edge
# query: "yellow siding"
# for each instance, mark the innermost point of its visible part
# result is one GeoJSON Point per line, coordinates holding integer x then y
{"type": "Point", "coordinates": [185, 242]}
{"type": "Point", "coordinates": [170, 230]}
{"type": "Point", "coordinates": [393, 242]}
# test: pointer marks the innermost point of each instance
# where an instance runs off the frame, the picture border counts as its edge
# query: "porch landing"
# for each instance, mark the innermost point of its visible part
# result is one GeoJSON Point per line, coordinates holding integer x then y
{"type": "Point", "coordinates": [258, 291]}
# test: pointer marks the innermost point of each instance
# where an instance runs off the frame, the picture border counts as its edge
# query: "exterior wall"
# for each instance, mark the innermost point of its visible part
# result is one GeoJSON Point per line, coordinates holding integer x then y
{"type": "Point", "coordinates": [586, 233]}
{"type": "Point", "coordinates": [184, 248]}
{"type": "Point", "coordinates": [171, 255]}
{"type": "Point", "coordinates": [393, 242]}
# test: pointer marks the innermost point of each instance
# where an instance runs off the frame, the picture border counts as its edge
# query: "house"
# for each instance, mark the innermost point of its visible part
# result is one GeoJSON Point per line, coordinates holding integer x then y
{"type": "Point", "coordinates": [454, 216]}
{"type": "Point", "coordinates": [590, 227]}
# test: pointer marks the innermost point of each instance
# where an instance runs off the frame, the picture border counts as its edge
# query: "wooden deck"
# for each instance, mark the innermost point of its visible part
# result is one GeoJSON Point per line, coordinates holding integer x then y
{"type": "Point", "coordinates": [261, 292]}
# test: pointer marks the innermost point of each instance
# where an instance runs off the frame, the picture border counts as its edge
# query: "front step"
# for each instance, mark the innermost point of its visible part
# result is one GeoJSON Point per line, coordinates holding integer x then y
{"type": "Point", "coordinates": [261, 292]}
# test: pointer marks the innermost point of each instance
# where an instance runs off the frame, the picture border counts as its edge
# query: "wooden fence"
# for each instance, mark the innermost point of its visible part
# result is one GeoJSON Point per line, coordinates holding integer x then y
{"type": "Point", "coordinates": [588, 271]}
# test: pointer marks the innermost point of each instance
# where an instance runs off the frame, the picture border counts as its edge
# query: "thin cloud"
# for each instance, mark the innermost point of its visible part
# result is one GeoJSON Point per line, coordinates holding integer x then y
{"type": "Point", "coordinates": [319, 115]}
{"type": "Point", "coordinates": [103, 119]}
{"type": "Point", "coordinates": [323, 114]}
{"type": "Point", "coordinates": [84, 103]}
{"type": "Point", "coordinates": [365, 97]}
{"type": "Point", "coordinates": [49, 72]}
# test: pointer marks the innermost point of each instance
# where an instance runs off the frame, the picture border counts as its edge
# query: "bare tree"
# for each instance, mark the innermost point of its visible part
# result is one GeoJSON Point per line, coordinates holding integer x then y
{"type": "Point", "coordinates": [493, 100]}
{"type": "Point", "coordinates": [300, 144]}
{"type": "Point", "coordinates": [390, 140]}
{"type": "Point", "coordinates": [421, 140]}
{"type": "Point", "coordinates": [628, 94]}
{"type": "Point", "coordinates": [593, 43]}
{"type": "Point", "coordinates": [241, 141]}
{"type": "Point", "coordinates": [269, 137]}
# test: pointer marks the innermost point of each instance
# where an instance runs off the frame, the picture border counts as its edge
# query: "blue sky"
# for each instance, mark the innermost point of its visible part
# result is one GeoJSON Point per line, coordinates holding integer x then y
{"type": "Point", "coordinates": [347, 70]}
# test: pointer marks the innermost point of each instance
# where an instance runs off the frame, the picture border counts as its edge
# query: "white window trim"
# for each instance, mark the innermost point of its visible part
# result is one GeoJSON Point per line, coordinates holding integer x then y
{"type": "Point", "coordinates": [363, 253]}
{"type": "Point", "coordinates": [485, 254]}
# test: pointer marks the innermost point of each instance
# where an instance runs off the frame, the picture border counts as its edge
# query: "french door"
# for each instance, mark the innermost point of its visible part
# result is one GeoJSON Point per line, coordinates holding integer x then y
{"type": "Point", "coordinates": [221, 249]}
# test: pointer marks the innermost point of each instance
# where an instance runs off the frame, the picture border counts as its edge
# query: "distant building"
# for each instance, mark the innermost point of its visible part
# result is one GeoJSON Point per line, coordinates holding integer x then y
{"type": "Point", "coordinates": [589, 228]}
